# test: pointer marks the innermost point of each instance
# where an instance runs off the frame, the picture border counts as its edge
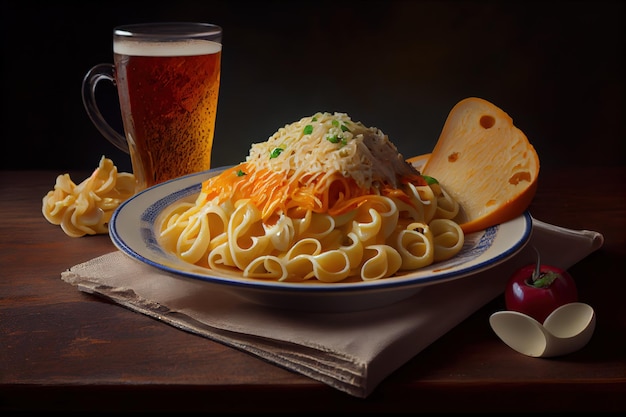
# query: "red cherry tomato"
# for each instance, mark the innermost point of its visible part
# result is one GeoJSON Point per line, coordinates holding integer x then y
{"type": "Point", "coordinates": [552, 288]}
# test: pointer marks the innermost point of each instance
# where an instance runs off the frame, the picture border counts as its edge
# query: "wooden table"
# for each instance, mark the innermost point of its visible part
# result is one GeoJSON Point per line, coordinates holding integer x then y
{"type": "Point", "coordinates": [63, 350]}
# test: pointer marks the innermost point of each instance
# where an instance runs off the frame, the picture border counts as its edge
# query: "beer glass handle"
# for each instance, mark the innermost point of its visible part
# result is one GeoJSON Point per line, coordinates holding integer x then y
{"type": "Point", "coordinates": [92, 78]}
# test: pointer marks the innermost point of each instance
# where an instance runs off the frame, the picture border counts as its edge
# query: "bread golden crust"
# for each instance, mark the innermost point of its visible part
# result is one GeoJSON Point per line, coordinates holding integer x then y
{"type": "Point", "coordinates": [486, 163]}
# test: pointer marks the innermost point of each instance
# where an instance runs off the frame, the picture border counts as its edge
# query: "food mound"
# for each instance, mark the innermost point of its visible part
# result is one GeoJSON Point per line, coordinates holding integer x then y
{"type": "Point", "coordinates": [324, 198]}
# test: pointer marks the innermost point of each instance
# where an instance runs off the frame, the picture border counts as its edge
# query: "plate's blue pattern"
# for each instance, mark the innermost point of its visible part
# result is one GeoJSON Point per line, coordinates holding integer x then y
{"type": "Point", "coordinates": [152, 212]}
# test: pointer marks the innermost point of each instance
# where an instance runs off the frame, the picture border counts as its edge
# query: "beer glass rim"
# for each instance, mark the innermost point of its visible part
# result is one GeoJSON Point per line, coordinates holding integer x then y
{"type": "Point", "coordinates": [169, 31]}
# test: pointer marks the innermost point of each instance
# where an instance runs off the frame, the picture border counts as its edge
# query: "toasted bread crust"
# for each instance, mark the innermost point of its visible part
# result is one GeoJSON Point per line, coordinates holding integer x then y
{"type": "Point", "coordinates": [486, 163]}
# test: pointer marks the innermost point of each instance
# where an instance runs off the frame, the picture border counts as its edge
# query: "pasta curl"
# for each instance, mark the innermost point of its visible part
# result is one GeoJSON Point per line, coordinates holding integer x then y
{"type": "Point", "coordinates": [86, 208]}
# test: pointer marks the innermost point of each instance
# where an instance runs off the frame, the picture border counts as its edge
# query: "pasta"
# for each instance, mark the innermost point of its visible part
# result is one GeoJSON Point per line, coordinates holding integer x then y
{"type": "Point", "coordinates": [86, 209]}
{"type": "Point", "coordinates": [324, 198]}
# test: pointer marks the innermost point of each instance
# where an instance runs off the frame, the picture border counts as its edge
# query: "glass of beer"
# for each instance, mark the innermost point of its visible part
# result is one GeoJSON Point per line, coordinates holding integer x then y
{"type": "Point", "coordinates": [167, 77]}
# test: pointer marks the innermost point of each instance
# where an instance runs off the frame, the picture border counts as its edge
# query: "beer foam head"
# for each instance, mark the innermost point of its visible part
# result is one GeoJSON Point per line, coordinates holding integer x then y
{"type": "Point", "coordinates": [176, 48]}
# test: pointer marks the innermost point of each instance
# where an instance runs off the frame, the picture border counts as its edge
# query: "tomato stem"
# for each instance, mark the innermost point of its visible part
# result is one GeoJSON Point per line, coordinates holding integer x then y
{"type": "Point", "coordinates": [544, 280]}
{"type": "Point", "coordinates": [537, 272]}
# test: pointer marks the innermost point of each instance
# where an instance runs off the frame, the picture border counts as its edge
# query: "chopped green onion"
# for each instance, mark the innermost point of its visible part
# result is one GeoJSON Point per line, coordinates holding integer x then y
{"type": "Point", "coordinates": [240, 173]}
{"type": "Point", "coordinates": [430, 180]}
{"type": "Point", "coordinates": [308, 129]}
{"type": "Point", "coordinates": [333, 139]}
{"type": "Point", "coordinates": [344, 128]}
{"type": "Point", "coordinates": [335, 123]}
{"type": "Point", "coordinates": [314, 119]}
{"type": "Point", "coordinates": [276, 152]}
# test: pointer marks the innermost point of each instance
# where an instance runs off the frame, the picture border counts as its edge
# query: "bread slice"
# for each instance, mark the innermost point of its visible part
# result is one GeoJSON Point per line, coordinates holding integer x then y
{"type": "Point", "coordinates": [486, 163]}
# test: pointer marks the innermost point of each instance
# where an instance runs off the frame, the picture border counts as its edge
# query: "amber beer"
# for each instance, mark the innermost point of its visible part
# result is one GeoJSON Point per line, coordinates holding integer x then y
{"type": "Point", "coordinates": [168, 95]}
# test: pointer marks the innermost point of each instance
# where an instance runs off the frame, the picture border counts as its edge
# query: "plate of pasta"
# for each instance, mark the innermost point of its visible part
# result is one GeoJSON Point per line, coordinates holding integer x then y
{"type": "Point", "coordinates": [312, 220]}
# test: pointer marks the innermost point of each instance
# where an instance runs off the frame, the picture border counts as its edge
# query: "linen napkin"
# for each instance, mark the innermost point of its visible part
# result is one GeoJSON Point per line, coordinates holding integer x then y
{"type": "Point", "coordinates": [350, 351]}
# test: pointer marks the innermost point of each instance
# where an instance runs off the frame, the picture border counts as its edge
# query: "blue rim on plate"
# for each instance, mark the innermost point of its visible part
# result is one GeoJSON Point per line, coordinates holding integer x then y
{"type": "Point", "coordinates": [133, 231]}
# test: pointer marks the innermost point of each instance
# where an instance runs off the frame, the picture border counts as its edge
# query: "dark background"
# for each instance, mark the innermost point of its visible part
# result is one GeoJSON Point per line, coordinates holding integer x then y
{"type": "Point", "coordinates": [555, 66]}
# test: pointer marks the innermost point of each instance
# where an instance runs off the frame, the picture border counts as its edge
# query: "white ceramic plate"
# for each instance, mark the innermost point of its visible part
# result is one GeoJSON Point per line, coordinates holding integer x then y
{"type": "Point", "coordinates": [133, 229]}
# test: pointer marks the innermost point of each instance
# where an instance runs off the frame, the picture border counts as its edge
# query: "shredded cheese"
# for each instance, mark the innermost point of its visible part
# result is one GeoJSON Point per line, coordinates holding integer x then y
{"type": "Point", "coordinates": [335, 144]}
